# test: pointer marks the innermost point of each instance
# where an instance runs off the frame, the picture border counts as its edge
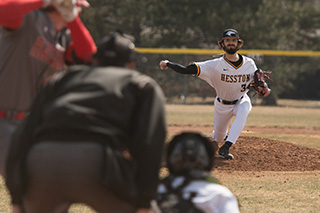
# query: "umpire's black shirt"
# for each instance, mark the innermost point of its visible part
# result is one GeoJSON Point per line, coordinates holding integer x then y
{"type": "Point", "coordinates": [110, 105]}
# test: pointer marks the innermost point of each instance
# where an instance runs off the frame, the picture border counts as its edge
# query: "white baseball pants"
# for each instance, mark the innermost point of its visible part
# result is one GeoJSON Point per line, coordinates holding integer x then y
{"type": "Point", "coordinates": [223, 115]}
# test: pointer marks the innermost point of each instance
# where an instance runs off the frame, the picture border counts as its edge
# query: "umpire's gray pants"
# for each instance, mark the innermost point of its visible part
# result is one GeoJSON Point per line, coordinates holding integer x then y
{"type": "Point", "coordinates": [62, 173]}
{"type": "Point", "coordinates": [7, 127]}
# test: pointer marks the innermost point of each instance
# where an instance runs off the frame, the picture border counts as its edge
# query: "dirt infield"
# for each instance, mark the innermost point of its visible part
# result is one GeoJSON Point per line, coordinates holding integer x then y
{"type": "Point", "coordinates": [260, 154]}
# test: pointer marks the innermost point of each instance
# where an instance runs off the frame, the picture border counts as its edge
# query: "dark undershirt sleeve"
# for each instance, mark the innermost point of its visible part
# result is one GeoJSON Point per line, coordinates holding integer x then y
{"type": "Point", "coordinates": [190, 69]}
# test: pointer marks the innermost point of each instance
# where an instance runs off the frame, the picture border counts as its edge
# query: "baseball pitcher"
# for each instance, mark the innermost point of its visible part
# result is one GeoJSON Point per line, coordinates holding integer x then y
{"type": "Point", "coordinates": [231, 76]}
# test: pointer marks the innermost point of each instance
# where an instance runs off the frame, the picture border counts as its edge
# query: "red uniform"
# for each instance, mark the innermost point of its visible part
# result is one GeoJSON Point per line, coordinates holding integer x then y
{"type": "Point", "coordinates": [31, 51]}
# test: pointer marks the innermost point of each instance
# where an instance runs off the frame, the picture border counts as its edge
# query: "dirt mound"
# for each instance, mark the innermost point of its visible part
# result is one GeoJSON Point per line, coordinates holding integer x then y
{"type": "Point", "coordinates": [260, 154]}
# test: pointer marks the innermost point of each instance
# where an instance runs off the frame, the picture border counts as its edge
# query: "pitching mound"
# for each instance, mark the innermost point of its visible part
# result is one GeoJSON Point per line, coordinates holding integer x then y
{"type": "Point", "coordinates": [259, 154]}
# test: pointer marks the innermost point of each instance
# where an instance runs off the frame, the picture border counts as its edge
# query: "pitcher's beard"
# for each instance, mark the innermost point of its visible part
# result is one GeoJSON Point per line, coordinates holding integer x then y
{"type": "Point", "coordinates": [231, 51]}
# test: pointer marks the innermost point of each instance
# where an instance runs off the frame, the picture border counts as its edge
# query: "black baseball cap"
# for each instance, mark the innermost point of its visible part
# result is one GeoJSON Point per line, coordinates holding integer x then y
{"type": "Point", "coordinates": [115, 49]}
{"type": "Point", "coordinates": [230, 33]}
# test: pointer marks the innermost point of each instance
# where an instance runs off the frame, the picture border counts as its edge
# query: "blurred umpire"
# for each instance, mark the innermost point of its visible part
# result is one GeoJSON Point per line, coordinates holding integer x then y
{"type": "Point", "coordinates": [93, 136]}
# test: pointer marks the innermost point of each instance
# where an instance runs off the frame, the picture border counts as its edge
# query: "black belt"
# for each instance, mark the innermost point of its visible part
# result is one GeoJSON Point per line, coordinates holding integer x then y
{"type": "Point", "coordinates": [228, 102]}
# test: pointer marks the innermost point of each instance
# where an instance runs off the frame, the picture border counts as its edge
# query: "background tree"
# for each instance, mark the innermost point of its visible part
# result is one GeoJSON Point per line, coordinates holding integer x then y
{"type": "Point", "coordinates": [262, 24]}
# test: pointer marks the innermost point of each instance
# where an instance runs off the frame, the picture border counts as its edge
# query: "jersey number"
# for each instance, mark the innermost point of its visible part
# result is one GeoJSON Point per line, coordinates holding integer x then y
{"type": "Point", "coordinates": [244, 87]}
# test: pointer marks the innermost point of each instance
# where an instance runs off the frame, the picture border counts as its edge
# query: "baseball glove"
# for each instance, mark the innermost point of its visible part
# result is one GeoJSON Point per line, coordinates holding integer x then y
{"type": "Point", "coordinates": [260, 84]}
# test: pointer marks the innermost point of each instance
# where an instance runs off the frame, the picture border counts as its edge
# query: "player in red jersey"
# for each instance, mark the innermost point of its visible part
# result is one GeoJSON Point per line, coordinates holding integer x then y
{"type": "Point", "coordinates": [37, 39]}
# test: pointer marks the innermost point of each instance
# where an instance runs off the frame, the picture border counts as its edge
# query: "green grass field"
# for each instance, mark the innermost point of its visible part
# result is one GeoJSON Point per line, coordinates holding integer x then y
{"type": "Point", "coordinates": [260, 116]}
{"type": "Point", "coordinates": [256, 191]}
{"type": "Point", "coordinates": [268, 191]}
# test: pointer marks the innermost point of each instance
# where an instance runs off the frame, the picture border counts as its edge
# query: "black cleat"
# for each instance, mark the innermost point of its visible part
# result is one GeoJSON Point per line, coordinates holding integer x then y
{"type": "Point", "coordinates": [224, 153]}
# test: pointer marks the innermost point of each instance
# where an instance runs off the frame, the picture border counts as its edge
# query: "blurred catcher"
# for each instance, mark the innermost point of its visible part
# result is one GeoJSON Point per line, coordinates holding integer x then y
{"type": "Point", "coordinates": [189, 187]}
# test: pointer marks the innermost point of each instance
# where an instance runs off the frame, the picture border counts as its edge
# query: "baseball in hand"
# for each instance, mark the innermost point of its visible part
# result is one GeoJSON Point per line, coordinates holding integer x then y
{"type": "Point", "coordinates": [163, 64]}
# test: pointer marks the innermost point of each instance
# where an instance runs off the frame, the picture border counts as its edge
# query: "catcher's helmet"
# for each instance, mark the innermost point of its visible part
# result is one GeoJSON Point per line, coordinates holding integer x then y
{"type": "Point", "coordinates": [231, 33]}
{"type": "Point", "coordinates": [115, 50]}
{"type": "Point", "coordinates": [189, 151]}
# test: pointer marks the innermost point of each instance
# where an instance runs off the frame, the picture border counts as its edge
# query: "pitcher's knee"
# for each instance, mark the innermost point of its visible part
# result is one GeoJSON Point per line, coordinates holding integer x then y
{"type": "Point", "coordinates": [218, 136]}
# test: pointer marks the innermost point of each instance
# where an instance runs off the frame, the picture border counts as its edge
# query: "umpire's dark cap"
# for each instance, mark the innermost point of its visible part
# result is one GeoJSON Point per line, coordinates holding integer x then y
{"type": "Point", "coordinates": [115, 50]}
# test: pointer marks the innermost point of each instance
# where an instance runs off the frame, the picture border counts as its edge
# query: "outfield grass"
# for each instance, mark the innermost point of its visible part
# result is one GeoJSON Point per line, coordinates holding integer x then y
{"type": "Point", "coordinates": [284, 117]}
{"type": "Point", "coordinates": [256, 191]}
{"type": "Point", "coordinates": [260, 116]}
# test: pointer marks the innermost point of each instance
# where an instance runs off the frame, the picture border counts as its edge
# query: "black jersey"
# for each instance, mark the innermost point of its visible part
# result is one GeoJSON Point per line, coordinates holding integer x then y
{"type": "Point", "coordinates": [112, 105]}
